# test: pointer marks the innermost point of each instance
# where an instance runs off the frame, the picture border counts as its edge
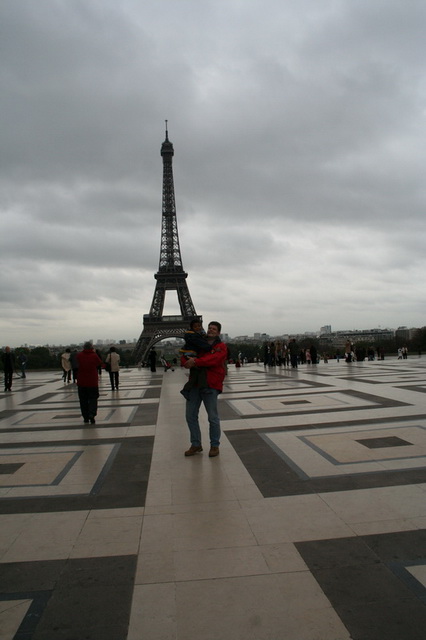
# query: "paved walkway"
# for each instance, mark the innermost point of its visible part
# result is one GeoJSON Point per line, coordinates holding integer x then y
{"type": "Point", "coordinates": [310, 525]}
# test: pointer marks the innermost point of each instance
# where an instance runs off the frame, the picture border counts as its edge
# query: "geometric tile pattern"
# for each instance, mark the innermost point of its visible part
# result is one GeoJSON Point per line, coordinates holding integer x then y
{"type": "Point", "coordinates": [308, 468]}
{"type": "Point", "coordinates": [65, 599]}
{"type": "Point", "coordinates": [310, 525]}
{"type": "Point", "coordinates": [82, 476]}
{"type": "Point", "coordinates": [50, 461]}
{"type": "Point", "coordinates": [290, 403]}
{"type": "Point", "coordinates": [370, 581]}
{"type": "Point", "coordinates": [329, 456]}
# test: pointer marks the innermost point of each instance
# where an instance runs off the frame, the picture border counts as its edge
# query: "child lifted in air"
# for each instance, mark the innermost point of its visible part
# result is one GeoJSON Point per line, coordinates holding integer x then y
{"type": "Point", "coordinates": [195, 340]}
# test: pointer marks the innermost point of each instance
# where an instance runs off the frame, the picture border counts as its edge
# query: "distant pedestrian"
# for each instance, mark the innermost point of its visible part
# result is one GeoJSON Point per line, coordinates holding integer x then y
{"type": "Point", "coordinates": [153, 360]}
{"type": "Point", "coordinates": [23, 361]}
{"type": "Point", "coordinates": [74, 365]}
{"type": "Point", "coordinates": [293, 349]}
{"type": "Point", "coordinates": [8, 360]}
{"type": "Point", "coordinates": [98, 353]}
{"type": "Point", "coordinates": [165, 364]}
{"type": "Point", "coordinates": [113, 360]}
{"type": "Point", "coordinates": [66, 365]}
{"type": "Point", "coordinates": [88, 382]}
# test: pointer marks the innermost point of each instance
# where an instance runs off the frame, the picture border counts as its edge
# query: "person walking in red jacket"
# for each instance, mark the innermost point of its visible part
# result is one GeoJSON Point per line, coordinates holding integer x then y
{"type": "Point", "coordinates": [206, 376]}
{"type": "Point", "coordinates": [88, 382]}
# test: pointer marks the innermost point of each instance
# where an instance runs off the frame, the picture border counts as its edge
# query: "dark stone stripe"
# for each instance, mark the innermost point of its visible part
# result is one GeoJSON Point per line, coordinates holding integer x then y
{"type": "Point", "coordinates": [358, 576]}
{"type": "Point", "coordinates": [274, 477]}
{"type": "Point", "coordinates": [379, 403]}
{"type": "Point", "coordinates": [124, 484]}
{"type": "Point", "coordinates": [152, 392]}
{"type": "Point", "coordinates": [145, 414]}
{"type": "Point", "coordinates": [72, 599]}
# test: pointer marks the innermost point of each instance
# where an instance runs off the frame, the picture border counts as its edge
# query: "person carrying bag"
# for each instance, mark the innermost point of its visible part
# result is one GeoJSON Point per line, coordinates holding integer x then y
{"type": "Point", "coordinates": [112, 365]}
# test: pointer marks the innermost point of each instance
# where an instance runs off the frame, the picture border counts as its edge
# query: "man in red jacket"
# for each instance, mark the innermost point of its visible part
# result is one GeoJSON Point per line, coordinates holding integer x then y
{"type": "Point", "coordinates": [206, 376]}
{"type": "Point", "coordinates": [88, 382]}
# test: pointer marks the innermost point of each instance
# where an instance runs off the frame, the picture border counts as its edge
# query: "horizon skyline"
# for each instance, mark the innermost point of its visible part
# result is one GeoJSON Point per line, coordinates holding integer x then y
{"type": "Point", "coordinates": [104, 341]}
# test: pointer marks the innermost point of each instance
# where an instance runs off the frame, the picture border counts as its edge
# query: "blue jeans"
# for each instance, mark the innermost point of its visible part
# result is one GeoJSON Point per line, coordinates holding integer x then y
{"type": "Point", "coordinates": [209, 399]}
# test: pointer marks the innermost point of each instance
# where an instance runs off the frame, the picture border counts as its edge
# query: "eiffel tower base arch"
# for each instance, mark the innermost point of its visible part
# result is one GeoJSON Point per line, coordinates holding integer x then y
{"type": "Point", "coordinates": [157, 329]}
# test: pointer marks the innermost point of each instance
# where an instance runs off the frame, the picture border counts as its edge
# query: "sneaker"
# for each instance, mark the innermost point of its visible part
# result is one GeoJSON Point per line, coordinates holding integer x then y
{"type": "Point", "coordinates": [193, 450]}
{"type": "Point", "coordinates": [214, 451]}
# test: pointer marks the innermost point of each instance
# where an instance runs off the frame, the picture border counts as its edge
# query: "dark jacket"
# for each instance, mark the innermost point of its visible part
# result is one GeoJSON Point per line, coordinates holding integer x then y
{"type": "Point", "coordinates": [195, 341]}
{"type": "Point", "coordinates": [8, 360]}
{"type": "Point", "coordinates": [213, 363]}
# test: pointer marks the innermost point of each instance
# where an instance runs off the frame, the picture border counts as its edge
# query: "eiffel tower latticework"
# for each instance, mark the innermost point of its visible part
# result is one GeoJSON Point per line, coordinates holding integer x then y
{"type": "Point", "coordinates": [170, 275]}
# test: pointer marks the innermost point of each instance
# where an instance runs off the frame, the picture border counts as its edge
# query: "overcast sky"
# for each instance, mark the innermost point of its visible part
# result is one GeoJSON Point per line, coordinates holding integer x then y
{"type": "Point", "coordinates": [299, 135]}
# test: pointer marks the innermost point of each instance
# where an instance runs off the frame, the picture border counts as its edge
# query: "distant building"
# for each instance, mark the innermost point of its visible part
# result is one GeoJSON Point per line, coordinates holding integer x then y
{"type": "Point", "coordinates": [404, 333]}
{"type": "Point", "coordinates": [325, 329]}
{"type": "Point", "coordinates": [338, 339]}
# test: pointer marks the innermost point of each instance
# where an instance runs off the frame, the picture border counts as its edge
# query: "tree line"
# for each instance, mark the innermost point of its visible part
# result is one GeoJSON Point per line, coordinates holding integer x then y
{"type": "Point", "coordinates": [45, 358]}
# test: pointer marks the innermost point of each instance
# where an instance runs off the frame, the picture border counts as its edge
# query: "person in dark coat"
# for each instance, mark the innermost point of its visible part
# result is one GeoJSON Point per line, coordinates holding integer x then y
{"type": "Point", "coordinates": [153, 360]}
{"type": "Point", "coordinates": [293, 349]}
{"type": "Point", "coordinates": [23, 361]}
{"type": "Point", "coordinates": [8, 360]}
{"type": "Point", "coordinates": [74, 365]}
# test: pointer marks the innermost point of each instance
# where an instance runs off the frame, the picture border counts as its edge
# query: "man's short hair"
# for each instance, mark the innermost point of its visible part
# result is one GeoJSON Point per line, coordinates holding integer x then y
{"type": "Point", "coordinates": [216, 324]}
{"type": "Point", "coordinates": [88, 345]}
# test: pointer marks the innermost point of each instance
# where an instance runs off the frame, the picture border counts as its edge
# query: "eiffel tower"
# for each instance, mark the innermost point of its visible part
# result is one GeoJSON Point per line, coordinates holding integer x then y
{"type": "Point", "coordinates": [170, 275]}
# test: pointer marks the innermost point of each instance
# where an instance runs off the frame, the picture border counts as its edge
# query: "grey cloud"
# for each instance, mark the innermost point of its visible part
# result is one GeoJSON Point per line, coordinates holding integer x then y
{"type": "Point", "coordinates": [299, 156]}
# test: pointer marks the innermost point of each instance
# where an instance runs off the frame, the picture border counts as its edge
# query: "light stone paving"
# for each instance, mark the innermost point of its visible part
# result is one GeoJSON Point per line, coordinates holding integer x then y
{"type": "Point", "coordinates": [320, 483]}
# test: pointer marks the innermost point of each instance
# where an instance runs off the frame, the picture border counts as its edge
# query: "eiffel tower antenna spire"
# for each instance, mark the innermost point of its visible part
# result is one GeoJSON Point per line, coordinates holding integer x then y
{"type": "Point", "coordinates": [170, 274]}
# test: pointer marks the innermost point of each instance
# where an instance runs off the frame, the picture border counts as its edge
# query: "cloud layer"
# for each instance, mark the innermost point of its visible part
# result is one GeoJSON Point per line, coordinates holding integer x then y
{"type": "Point", "coordinates": [299, 137]}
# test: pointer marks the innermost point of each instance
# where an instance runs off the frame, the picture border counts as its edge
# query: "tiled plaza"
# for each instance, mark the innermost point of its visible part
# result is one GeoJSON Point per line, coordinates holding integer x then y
{"type": "Point", "coordinates": [310, 525]}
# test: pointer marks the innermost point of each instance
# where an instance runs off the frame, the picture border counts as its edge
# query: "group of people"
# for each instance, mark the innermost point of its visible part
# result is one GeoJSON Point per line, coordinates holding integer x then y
{"type": "Point", "coordinates": [402, 353]}
{"type": "Point", "coordinates": [85, 367]}
{"type": "Point", "coordinates": [89, 363]}
{"type": "Point", "coordinates": [70, 366]}
{"type": "Point", "coordinates": [288, 354]}
{"type": "Point", "coordinates": [204, 355]}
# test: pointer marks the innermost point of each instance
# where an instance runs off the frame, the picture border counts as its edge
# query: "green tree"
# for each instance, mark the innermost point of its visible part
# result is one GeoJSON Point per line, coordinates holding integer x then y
{"type": "Point", "coordinates": [418, 343]}
{"type": "Point", "coordinates": [248, 350]}
{"type": "Point", "coordinates": [41, 358]}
